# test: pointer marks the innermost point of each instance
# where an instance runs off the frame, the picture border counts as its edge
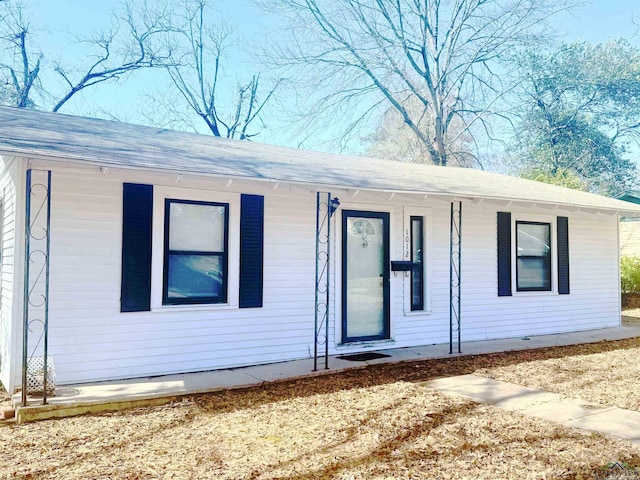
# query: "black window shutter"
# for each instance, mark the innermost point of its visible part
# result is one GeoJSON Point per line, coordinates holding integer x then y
{"type": "Point", "coordinates": [563, 255]}
{"type": "Point", "coordinates": [251, 250]}
{"type": "Point", "coordinates": [504, 254]}
{"type": "Point", "coordinates": [137, 209]}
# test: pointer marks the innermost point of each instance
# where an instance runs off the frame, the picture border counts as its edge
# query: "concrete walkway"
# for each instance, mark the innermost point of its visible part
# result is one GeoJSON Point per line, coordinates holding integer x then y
{"type": "Point", "coordinates": [613, 421]}
{"type": "Point", "coordinates": [114, 395]}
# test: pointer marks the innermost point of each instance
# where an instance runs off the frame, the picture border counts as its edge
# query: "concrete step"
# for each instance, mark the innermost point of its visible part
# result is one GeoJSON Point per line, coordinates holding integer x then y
{"type": "Point", "coordinates": [32, 413]}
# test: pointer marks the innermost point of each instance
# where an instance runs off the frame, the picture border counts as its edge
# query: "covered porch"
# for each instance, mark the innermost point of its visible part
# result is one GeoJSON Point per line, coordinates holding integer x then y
{"type": "Point", "coordinates": [70, 400]}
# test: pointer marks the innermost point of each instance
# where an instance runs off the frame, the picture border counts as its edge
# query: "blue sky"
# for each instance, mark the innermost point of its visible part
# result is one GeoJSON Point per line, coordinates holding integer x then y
{"type": "Point", "coordinates": [600, 21]}
{"type": "Point", "coordinates": [89, 15]}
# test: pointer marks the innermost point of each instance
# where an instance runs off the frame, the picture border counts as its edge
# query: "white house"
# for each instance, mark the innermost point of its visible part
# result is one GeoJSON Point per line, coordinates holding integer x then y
{"type": "Point", "coordinates": [153, 252]}
{"type": "Point", "coordinates": [630, 228]}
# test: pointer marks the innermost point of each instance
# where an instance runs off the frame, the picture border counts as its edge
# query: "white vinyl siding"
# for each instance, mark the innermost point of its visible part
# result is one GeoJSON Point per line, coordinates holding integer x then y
{"type": "Point", "coordinates": [593, 302]}
{"type": "Point", "coordinates": [9, 339]}
{"type": "Point", "coordinates": [594, 299]}
{"type": "Point", "coordinates": [90, 339]}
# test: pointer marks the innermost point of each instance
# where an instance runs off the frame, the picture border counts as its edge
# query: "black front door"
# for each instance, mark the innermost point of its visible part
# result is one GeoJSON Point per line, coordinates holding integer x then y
{"type": "Point", "coordinates": [365, 276]}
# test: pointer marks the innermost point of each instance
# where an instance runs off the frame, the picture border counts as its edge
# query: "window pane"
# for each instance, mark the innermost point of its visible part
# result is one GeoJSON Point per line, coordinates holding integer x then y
{"type": "Point", "coordinates": [533, 239]}
{"type": "Point", "coordinates": [534, 274]}
{"type": "Point", "coordinates": [195, 276]}
{"type": "Point", "coordinates": [416, 240]}
{"type": "Point", "coordinates": [196, 228]}
{"type": "Point", "coordinates": [417, 284]}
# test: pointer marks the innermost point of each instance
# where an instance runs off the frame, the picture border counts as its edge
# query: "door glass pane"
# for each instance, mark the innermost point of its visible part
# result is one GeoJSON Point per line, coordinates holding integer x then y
{"type": "Point", "coordinates": [365, 269]}
{"type": "Point", "coordinates": [196, 228]}
{"type": "Point", "coordinates": [195, 276]}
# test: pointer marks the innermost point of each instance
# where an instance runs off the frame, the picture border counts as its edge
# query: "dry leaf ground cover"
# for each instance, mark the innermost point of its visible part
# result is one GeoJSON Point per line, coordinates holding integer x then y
{"type": "Point", "coordinates": [371, 423]}
{"type": "Point", "coordinates": [609, 377]}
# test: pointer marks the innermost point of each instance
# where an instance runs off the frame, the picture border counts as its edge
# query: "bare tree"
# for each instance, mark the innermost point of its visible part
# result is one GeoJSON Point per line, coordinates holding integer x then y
{"type": "Point", "coordinates": [394, 140]}
{"type": "Point", "coordinates": [135, 41]}
{"type": "Point", "coordinates": [444, 53]}
{"type": "Point", "coordinates": [142, 46]}
{"type": "Point", "coordinates": [196, 73]}
{"type": "Point", "coordinates": [19, 67]}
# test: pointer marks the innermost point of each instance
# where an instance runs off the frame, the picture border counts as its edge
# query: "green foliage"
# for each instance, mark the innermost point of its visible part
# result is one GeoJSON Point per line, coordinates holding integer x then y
{"type": "Point", "coordinates": [562, 177]}
{"type": "Point", "coordinates": [630, 274]}
{"type": "Point", "coordinates": [582, 111]}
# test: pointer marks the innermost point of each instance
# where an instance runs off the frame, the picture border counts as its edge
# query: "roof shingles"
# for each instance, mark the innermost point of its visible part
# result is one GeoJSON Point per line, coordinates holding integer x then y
{"type": "Point", "coordinates": [37, 134]}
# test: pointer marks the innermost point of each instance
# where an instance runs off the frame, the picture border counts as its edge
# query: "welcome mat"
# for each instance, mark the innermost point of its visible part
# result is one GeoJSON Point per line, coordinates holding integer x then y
{"type": "Point", "coordinates": [362, 357]}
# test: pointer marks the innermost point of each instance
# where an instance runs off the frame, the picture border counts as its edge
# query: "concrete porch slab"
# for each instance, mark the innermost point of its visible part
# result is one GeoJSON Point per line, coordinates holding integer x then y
{"type": "Point", "coordinates": [72, 400]}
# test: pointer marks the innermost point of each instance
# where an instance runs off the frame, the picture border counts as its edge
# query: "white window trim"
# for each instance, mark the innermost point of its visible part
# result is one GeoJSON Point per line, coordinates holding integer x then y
{"type": "Point", "coordinates": [409, 212]}
{"type": "Point", "coordinates": [532, 217]}
{"type": "Point", "coordinates": [161, 193]}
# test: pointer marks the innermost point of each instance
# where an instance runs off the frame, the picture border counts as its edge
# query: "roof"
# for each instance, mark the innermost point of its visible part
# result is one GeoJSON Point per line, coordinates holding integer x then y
{"type": "Point", "coordinates": [45, 135]}
{"type": "Point", "coordinates": [632, 196]}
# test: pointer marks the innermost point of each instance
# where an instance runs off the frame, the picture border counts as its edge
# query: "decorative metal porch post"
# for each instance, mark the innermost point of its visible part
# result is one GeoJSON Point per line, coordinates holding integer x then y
{"type": "Point", "coordinates": [455, 253]}
{"type": "Point", "coordinates": [37, 226]}
{"type": "Point", "coordinates": [325, 207]}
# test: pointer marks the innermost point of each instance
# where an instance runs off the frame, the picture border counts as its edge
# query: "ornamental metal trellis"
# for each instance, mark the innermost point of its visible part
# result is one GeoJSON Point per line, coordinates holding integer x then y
{"type": "Point", "coordinates": [325, 207]}
{"type": "Point", "coordinates": [37, 368]}
{"type": "Point", "coordinates": [455, 252]}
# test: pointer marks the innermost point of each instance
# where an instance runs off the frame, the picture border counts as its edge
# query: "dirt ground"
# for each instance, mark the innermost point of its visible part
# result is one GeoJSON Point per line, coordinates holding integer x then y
{"type": "Point", "coordinates": [373, 423]}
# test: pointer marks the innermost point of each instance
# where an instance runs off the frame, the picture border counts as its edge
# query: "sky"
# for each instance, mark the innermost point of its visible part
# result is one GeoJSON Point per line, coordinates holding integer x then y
{"type": "Point", "coordinates": [599, 21]}
{"type": "Point", "coordinates": [602, 20]}
{"type": "Point", "coordinates": [51, 20]}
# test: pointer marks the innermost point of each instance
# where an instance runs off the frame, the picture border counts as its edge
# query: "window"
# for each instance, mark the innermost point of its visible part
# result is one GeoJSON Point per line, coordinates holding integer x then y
{"type": "Point", "coordinates": [533, 256]}
{"type": "Point", "coordinates": [196, 250]}
{"type": "Point", "coordinates": [190, 249]}
{"type": "Point", "coordinates": [416, 227]}
{"type": "Point", "coordinates": [417, 258]}
{"type": "Point", "coordinates": [532, 264]}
